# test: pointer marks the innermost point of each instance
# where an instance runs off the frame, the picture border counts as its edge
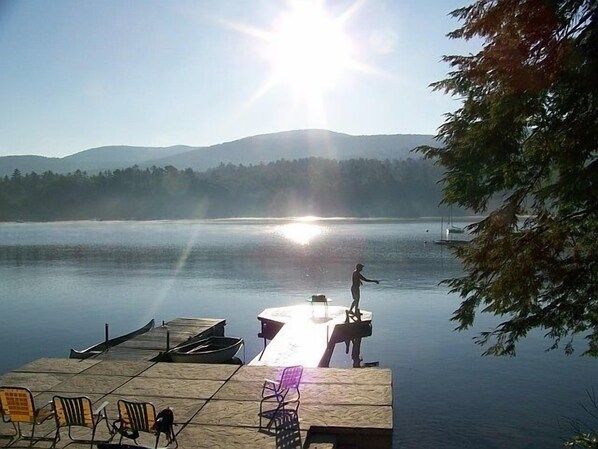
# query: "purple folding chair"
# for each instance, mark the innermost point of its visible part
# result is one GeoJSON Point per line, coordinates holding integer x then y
{"type": "Point", "coordinates": [281, 393]}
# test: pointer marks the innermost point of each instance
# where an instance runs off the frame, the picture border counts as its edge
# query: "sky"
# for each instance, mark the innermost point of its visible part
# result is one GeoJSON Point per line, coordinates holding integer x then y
{"type": "Point", "coordinates": [80, 74]}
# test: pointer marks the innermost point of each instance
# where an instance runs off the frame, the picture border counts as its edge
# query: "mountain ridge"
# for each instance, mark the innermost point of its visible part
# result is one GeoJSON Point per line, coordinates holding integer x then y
{"type": "Point", "coordinates": [262, 148]}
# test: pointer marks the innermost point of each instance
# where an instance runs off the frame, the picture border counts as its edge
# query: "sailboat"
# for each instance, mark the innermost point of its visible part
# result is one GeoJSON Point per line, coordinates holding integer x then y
{"type": "Point", "coordinates": [450, 230]}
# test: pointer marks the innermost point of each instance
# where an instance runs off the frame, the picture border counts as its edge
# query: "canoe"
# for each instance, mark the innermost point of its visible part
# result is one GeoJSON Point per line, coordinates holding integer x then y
{"type": "Point", "coordinates": [208, 350]}
{"type": "Point", "coordinates": [103, 346]}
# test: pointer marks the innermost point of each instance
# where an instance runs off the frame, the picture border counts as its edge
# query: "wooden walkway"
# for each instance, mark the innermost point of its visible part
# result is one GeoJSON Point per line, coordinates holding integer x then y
{"type": "Point", "coordinates": [148, 346]}
{"type": "Point", "coordinates": [306, 334]}
{"type": "Point", "coordinates": [216, 406]}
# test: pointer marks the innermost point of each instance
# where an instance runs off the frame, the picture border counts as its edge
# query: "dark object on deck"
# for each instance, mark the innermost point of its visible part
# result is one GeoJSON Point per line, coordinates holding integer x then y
{"type": "Point", "coordinates": [135, 417]}
{"type": "Point", "coordinates": [209, 350]}
{"type": "Point", "coordinates": [108, 343]}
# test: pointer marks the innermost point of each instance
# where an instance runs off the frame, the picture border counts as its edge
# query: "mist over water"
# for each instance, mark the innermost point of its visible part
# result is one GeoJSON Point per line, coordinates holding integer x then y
{"type": "Point", "coordinates": [62, 281]}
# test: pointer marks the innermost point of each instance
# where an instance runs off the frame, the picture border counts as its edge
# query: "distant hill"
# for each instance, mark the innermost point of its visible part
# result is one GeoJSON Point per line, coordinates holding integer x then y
{"type": "Point", "coordinates": [121, 156]}
{"type": "Point", "coordinates": [297, 145]}
{"type": "Point", "coordinates": [92, 160]}
{"type": "Point", "coordinates": [28, 164]}
{"type": "Point", "coordinates": [250, 150]}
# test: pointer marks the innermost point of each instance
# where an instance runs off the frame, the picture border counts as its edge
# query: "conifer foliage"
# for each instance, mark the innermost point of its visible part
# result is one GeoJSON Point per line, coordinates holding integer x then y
{"type": "Point", "coordinates": [526, 133]}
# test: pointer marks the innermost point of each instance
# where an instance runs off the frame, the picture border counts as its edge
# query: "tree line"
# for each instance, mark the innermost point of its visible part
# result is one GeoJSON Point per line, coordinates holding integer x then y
{"type": "Point", "coordinates": [313, 186]}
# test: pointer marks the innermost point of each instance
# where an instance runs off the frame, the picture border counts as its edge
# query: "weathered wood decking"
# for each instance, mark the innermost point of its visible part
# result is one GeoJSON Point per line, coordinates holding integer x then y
{"type": "Point", "coordinates": [149, 345]}
{"type": "Point", "coordinates": [306, 334]}
{"type": "Point", "coordinates": [216, 406]}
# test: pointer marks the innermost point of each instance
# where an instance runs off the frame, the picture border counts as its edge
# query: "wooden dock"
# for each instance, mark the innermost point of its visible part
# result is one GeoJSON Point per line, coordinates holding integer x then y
{"type": "Point", "coordinates": [150, 345]}
{"type": "Point", "coordinates": [216, 406]}
{"type": "Point", "coordinates": [306, 334]}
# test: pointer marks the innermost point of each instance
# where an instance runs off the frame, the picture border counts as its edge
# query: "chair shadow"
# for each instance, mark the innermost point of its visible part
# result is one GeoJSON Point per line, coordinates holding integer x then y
{"type": "Point", "coordinates": [7, 440]}
{"type": "Point", "coordinates": [285, 428]}
{"type": "Point", "coordinates": [12, 441]}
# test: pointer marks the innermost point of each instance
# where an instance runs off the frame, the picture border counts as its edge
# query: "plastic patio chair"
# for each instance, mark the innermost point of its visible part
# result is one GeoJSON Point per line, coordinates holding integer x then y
{"type": "Point", "coordinates": [135, 417]}
{"type": "Point", "coordinates": [282, 392]}
{"type": "Point", "coordinates": [17, 406]}
{"type": "Point", "coordinates": [78, 412]}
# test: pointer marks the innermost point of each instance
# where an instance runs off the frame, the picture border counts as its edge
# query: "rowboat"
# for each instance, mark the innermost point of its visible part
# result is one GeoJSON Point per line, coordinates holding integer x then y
{"type": "Point", "coordinates": [108, 343]}
{"type": "Point", "coordinates": [208, 350]}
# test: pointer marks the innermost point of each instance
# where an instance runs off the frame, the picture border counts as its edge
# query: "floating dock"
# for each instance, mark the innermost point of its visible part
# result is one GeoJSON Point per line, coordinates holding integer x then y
{"type": "Point", "coordinates": [307, 334]}
{"type": "Point", "coordinates": [150, 345]}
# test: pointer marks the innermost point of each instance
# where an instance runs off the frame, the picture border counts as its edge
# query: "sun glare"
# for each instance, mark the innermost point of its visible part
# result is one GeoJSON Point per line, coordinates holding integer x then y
{"type": "Point", "coordinates": [308, 49]}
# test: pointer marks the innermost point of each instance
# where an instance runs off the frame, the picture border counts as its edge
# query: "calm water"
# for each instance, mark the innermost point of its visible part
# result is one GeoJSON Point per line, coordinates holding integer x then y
{"type": "Point", "coordinates": [62, 281]}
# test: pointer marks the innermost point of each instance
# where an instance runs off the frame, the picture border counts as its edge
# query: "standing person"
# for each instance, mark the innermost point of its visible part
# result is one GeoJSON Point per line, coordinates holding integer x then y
{"type": "Point", "coordinates": [355, 292]}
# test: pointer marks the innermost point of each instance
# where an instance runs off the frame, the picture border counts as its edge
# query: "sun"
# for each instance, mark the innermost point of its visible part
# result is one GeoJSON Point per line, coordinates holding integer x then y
{"type": "Point", "coordinates": [308, 49]}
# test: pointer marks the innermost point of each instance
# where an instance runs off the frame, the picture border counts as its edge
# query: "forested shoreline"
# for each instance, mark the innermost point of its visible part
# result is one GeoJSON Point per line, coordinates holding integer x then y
{"type": "Point", "coordinates": [313, 186]}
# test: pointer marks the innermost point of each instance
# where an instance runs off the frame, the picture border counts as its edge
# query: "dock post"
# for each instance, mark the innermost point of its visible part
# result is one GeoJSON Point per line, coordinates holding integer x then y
{"type": "Point", "coordinates": [167, 340]}
{"type": "Point", "coordinates": [106, 332]}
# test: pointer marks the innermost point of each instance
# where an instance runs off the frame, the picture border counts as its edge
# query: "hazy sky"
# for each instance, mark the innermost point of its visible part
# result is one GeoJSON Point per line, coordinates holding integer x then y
{"type": "Point", "coordinates": [80, 74]}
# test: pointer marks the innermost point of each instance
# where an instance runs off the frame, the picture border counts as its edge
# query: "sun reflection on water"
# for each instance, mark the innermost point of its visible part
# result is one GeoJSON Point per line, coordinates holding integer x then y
{"type": "Point", "coordinates": [301, 233]}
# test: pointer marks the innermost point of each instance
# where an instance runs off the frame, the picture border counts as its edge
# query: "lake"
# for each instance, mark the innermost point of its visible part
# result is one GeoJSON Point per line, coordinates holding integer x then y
{"type": "Point", "coordinates": [62, 281]}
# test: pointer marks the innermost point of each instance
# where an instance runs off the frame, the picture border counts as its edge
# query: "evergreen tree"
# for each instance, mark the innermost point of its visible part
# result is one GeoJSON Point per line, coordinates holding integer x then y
{"type": "Point", "coordinates": [527, 133]}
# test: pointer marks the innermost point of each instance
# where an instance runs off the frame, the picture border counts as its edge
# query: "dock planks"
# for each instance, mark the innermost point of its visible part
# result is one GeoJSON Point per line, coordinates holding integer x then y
{"type": "Point", "coordinates": [149, 345]}
{"type": "Point", "coordinates": [297, 343]}
{"type": "Point", "coordinates": [305, 335]}
{"type": "Point", "coordinates": [216, 406]}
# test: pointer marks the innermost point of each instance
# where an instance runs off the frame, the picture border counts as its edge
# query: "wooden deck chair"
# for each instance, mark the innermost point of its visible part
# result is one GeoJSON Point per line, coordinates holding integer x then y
{"type": "Point", "coordinates": [17, 406]}
{"type": "Point", "coordinates": [78, 412]}
{"type": "Point", "coordinates": [135, 417]}
{"type": "Point", "coordinates": [281, 393]}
